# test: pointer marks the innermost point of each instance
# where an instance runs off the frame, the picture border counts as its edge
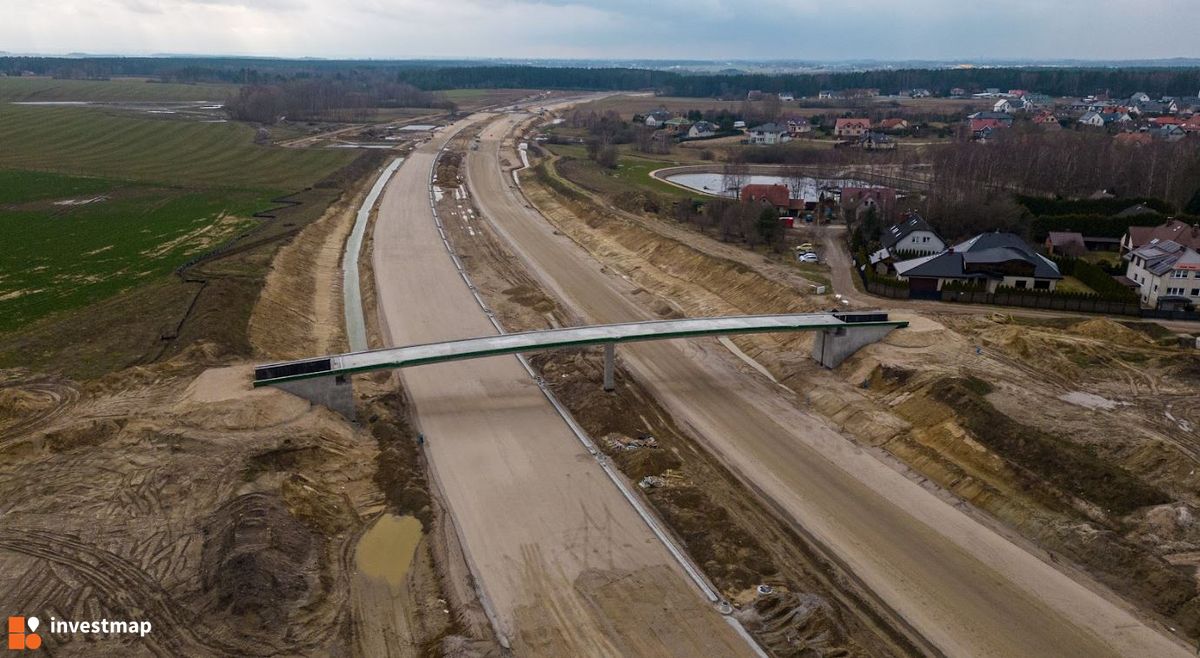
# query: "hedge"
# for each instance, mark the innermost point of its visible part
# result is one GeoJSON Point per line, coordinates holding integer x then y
{"type": "Point", "coordinates": [1096, 226]}
{"type": "Point", "coordinates": [1040, 206]}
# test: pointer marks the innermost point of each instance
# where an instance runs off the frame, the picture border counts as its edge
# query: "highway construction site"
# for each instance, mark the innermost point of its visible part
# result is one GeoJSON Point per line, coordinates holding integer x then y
{"type": "Point", "coordinates": [980, 483]}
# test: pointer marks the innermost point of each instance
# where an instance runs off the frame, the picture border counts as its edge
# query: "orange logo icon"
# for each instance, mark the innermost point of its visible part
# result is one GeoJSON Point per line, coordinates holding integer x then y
{"type": "Point", "coordinates": [19, 638]}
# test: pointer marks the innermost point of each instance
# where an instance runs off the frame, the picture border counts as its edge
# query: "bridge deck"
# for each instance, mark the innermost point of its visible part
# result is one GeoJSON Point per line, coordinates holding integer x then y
{"type": "Point", "coordinates": [473, 348]}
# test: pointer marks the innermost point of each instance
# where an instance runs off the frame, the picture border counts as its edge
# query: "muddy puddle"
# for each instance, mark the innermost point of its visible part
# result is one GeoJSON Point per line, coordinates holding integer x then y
{"type": "Point", "coordinates": [386, 550]}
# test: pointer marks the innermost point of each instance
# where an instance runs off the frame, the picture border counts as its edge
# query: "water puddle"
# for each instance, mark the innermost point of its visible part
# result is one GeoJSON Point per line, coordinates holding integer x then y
{"type": "Point", "coordinates": [386, 550]}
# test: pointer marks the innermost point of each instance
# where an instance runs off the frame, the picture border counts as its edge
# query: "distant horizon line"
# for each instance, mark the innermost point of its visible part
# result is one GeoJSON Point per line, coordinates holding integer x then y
{"type": "Point", "coordinates": [1025, 61]}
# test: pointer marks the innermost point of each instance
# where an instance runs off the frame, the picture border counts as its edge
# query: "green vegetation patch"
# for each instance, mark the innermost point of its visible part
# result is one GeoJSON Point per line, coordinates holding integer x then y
{"type": "Point", "coordinates": [116, 144]}
{"type": "Point", "coordinates": [631, 174]}
{"type": "Point", "coordinates": [71, 241]}
{"type": "Point", "coordinates": [108, 91]}
{"type": "Point", "coordinates": [1072, 468]}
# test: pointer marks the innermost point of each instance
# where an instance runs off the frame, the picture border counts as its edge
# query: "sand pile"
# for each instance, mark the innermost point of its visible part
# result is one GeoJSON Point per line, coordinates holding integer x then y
{"type": "Point", "coordinates": [1107, 330]}
{"type": "Point", "coordinates": [223, 398]}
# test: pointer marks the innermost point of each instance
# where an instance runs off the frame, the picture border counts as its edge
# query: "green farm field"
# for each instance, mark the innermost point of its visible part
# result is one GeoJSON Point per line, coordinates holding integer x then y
{"type": "Point", "coordinates": [72, 241]}
{"type": "Point", "coordinates": [95, 202]}
{"type": "Point", "coordinates": [120, 145]}
{"type": "Point", "coordinates": [108, 91]}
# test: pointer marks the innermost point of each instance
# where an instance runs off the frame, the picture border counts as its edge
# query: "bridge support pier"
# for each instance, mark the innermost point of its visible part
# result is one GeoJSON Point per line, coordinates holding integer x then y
{"type": "Point", "coordinates": [334, 392]}
{"type": "Point", "coordinates": [610, 365]}
{"type": "Point", "coordinates": [833, 346]}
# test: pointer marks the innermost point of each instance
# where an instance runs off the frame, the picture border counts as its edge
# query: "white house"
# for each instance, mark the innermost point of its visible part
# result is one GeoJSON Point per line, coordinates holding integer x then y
{"type": "Point", "coordinates": [1005, 105]}
{"type": "Point", "coordinates": [1165, 269]}
{"type": "Point", "coordinates": [1092, 119]}
{"type": "Point", "coordinates": [1140, 97]}
{"type": "Point", "coordinates": [702, 129]}
{"type": "Point", "coordinates": [912, 235]}
{"type": "Point", "coordinates": [769, 133]}
{"type": "Point", "coordinates": [657, 118]}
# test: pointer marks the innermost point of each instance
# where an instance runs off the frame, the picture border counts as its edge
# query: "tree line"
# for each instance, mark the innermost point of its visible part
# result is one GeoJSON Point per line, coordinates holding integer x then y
{"type": "Point", "coordinates": [440, 75]}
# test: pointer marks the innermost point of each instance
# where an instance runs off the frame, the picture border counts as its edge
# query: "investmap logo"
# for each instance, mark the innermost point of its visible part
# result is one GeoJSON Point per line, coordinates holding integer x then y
{"type": "Point", "coordinates": [22, 633]}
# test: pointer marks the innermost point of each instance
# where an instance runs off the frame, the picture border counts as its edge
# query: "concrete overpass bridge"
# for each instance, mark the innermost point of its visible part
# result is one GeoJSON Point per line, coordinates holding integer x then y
{"type": "Point", "coordinates": [325, 380]}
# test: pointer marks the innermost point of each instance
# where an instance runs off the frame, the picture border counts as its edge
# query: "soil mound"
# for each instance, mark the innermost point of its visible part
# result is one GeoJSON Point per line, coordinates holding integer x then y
{"type": "Point", "coordinates": [223, 398]}
{"type": "Point", "coordinates": [1105, 329]}
{"type": "Point", "coordinates": [257, 561]}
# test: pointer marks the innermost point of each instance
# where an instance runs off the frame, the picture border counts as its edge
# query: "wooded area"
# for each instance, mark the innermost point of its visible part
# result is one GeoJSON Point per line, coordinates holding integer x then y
{"type": "Point", "coordinates": [438, 75]}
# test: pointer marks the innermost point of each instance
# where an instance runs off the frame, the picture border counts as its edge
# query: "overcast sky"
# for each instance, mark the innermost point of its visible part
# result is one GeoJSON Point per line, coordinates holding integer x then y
{"type": "Point", "coordinates": [617, 29]}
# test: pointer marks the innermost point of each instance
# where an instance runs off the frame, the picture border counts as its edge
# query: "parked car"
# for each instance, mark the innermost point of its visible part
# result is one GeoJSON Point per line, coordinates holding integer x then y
{"type": "Point", "coordinates": [804, 248]}
{"type": "Point", "coordinates": [807, 257]}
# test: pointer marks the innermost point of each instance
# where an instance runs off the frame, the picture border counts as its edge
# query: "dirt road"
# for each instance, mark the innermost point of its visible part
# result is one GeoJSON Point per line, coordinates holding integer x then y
{"type": "Point", "coordinates": [962, 586]}
{"type": "Point", "coordinates": [566, 563]}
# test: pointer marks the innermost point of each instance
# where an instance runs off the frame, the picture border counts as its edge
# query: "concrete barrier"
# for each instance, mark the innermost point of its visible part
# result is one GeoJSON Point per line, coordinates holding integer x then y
{"type": "Point", "coordinates": [334, 392]}
{"type": "Point", "coordinates": [833, 346]}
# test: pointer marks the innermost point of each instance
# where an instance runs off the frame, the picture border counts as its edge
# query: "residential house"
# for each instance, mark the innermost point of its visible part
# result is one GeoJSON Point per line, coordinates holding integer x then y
{"type": "Point", "coordinates": [769, 133]}
{"type": "Point", "coordinates": [1139, 97]}
{"type": "Point", "coordinates": [776, 196]}
{"type": "Point", "coordinates": [786, 97]}
{"type": "Point", "coordinates": [958, 92]}
{"type": "Point", "coordinates": [1070, 243]}
{"type": "Point", "coordinates": [983, 128]}
{"type": "Point", "coordinates": [1006, 105]}
{"type": "Point", "coordinates": [657, 118]}
{"type": "Point", "coordinates": [988, 260]}
{"type": "Point", "coordinates": [1192, 125]}
{"type": "Point", "coordinates": [1173, 230]}
{"type": "Point", "coordinates": [739, 125]}
{"type": "Point", "coordinates": [1151, 108]}
{"type": "Point", "coordinates": [1092, 118]}
{"type": "Point", "coordinates": [677, 125]}
{"type": "Point", "coordinates": [851, 127]}
{"type": "Point", "coordinates": [1003, 117]}
{"type": "Point", "coordinates": [826, 95]}
{"type": "Point", "coordinates": [895, 124]}
{"type": "Point", "coordinates": [702, 129]}
{"type": "Point", "coordinates": [876, 141]}
{"type": "Point", "coordinates": [912, 235]}
{"type": "Point", "coordinates": [1137, 211]}
{"type": "Point", "coordinates": [1167, 273]}
{"type": "Point", "coordinates": [1044, 119]}
{"type": "Point", "coordinates": [920, 93]}
{"type": "Point", "coordinates": [754, 95]}
{"type": "Point", "coordinates": [858, 200]}
{"type": "Point", "coordinates": [1169, 133]}
{"type": "Point", "coordinates": [1116, 116]}
{"type": "Point", "coordinates": [1065, 243]}
{"type": "Point", "coordinates": [798, 126]}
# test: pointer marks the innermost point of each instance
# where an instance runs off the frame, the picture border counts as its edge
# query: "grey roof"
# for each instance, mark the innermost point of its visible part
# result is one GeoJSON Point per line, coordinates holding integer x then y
{"type": "Point", "coordinates": [1002, 116]}
{"type": "Point", "coordinates": [1139, 209]}
{"type": "Point", "coordinates": [897, 232]}
{"type": "Point", "coordinates": [704, 125]}
{"type": "Point", "coordinates": [769, 128]}
{"type": "Point", "coordinates": [1162, 256]}
{"type": "Point", "coordinates": [980, 251]}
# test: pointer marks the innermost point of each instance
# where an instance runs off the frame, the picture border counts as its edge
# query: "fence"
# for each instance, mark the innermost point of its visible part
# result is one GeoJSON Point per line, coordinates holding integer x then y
{"type": "Point", "coordinates": [1046, 301]}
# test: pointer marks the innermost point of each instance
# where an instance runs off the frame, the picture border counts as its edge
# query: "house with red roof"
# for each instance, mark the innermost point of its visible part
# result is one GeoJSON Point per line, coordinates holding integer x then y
{"type": "Point", "coordinates": [851, 127]}
{"type": "Point", "coordinates": [776, 195]}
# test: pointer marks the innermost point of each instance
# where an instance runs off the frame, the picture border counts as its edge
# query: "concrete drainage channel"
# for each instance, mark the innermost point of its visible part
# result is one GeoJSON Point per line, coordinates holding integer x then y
{"type": "Point", "coordinates": [356, 328]}
{"type": "Point", "coordinates": [605, 463]}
